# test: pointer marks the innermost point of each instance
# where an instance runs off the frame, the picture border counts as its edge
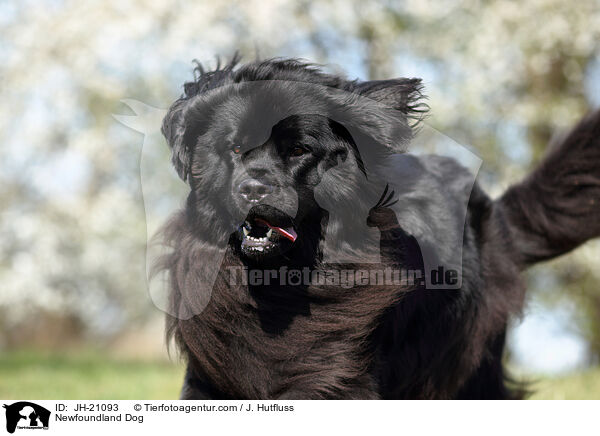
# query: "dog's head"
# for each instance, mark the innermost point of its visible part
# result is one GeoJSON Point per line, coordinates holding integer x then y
{"type": "Point", "coordinates": [256, 141]}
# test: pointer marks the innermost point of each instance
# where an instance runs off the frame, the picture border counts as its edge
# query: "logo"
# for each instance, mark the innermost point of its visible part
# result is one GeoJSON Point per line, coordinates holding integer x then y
{"type": "Point", "coordinates": [379, 163]}
{"type": "Point", "coordinates": [26, 415]}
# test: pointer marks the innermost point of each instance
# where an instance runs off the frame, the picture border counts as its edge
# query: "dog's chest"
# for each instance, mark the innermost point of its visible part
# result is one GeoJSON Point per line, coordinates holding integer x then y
{"type": "Point", "coordinates": [306, 360]}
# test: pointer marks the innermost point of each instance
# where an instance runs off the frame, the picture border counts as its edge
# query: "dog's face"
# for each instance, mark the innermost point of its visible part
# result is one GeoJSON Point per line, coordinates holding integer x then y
{"type": "Point", "coordinates": [265, 190]}
{"type": "Point", "coordinates": [253, 157]}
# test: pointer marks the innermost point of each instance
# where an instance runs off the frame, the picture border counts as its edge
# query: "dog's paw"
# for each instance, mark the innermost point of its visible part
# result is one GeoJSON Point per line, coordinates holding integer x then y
{"type": "Point", "coordinates": [294, 277]}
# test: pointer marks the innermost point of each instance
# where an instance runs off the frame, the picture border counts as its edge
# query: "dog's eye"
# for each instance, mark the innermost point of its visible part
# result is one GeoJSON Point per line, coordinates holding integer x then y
{"type": "Point", "coordinates": [236, 149]}
{"type": "Point", "coordinates": [298, 151]}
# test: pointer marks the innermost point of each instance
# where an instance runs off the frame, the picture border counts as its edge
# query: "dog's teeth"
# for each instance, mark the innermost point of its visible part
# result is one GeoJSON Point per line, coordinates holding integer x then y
{"type": "Point", "coordinates": [259, 248]}
{"type": "Point", "coordinates": [269, 233]}
{"type": "Point", "coordinates": [246, 231]}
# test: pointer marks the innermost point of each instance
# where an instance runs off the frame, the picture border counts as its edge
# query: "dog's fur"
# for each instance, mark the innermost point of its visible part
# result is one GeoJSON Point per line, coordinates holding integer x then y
{"type": "Point", "coordinates": [316, 342]}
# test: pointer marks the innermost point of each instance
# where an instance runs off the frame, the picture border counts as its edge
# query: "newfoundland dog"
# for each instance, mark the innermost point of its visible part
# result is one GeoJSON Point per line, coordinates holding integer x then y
{"type": "Point", "coordinates": [319, 257]}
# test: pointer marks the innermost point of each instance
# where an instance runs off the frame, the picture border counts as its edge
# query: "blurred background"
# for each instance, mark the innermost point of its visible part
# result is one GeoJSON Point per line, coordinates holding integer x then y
{"type": "Point", "coordinates": [75, 317]}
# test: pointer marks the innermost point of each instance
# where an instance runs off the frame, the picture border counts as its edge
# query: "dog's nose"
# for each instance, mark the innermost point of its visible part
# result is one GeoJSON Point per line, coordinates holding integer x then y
{"type": "Point", "coordinates": [254, 191]}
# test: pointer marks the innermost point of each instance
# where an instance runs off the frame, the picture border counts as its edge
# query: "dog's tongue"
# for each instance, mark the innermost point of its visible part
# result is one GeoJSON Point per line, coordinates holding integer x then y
{"type": "Point", "coordinates": [288, 232]}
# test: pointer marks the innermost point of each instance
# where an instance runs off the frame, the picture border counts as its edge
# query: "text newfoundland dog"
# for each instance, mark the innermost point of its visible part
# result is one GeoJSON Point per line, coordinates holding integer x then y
{"type": "Point", "coordinates": [319, 257]}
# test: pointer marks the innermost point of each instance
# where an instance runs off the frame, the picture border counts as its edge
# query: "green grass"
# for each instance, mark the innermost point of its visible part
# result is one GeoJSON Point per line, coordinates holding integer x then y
{"type": "Point", "coordinates": [96, 375]}
{"type": "Point", "coordinates": [88, 375]}
{"type": "Point", "coordinates": [584, 385]}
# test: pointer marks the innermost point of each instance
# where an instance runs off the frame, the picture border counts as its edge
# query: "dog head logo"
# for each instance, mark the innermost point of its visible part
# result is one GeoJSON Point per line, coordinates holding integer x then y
{"type": "Point", "coordinates": [232, 147]}
{"type": "Point", "coordinates": [26, 415]}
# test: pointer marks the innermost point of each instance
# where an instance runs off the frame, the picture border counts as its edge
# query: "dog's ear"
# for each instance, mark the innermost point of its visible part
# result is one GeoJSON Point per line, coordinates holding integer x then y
{"type": "Point", "coordinates": [405, 95]}
{"type": "Point", "coordinates": [173, 129]}
{"type": "Point", "coordinates": [173, 125]}
{"type": "Point", "coordinates": [387, 115]}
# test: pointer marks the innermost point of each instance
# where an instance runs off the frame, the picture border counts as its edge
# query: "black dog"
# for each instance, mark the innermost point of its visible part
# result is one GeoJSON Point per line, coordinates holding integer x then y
{"type": "Point", "coordinates": [294, 170]}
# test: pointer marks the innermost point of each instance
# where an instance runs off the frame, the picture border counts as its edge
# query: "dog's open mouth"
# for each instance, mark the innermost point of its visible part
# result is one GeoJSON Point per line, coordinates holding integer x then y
{"type": "Point", "coordinates": [266, 231]}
